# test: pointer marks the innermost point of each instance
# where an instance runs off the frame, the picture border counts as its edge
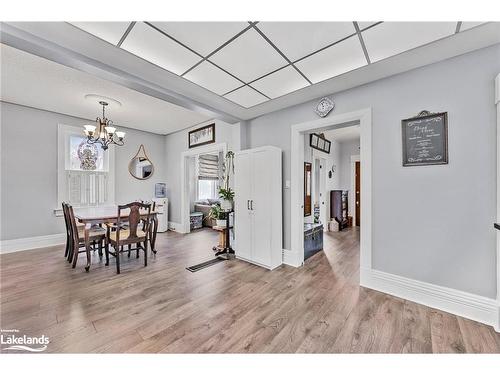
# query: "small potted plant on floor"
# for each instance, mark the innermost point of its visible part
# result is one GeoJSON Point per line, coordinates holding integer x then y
{"type": "Point", "coordinates": [217, 214]}
{"type": "Point", "coordinates": [226, 194]}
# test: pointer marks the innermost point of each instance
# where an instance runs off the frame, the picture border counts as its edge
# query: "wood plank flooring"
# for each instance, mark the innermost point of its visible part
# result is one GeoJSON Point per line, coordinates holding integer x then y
{"type": "Point", "coordinates": [232, 306]}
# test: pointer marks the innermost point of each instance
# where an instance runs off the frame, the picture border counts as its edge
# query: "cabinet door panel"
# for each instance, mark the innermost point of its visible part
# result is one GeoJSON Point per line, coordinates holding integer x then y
{"type": "Point", "coordinates": [242, 215]}
{"type": "Point", "coordinates": [261, 205]}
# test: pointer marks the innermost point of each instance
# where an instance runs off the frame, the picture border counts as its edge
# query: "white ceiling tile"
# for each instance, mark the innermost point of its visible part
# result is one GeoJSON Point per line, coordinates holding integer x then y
{"type": "Point", "coordinates": [280, 83]}
{"type": "Point", "coordinates": [203, 37]}
{"type": "Point", "coordinates": [249, 57]}
{"type": "Point", "coordinates": [151, 45]}
{"type": "Point", "coordinates": [391, 38]}
{"type": "Point", "coordinates": [246, 97]}
{"type": "Point", "coordinates": [298, 39]}
{"type": "Point", "coordinates": [333, 61]}
{"type": "Point", "coordinates": [212, 78]}
{"type": "Point", "coordinates": [469, 25]}
{"type": "Point", "coordinates": [364, 25]}
{"type": "Point", "coordinates": [111, 32]}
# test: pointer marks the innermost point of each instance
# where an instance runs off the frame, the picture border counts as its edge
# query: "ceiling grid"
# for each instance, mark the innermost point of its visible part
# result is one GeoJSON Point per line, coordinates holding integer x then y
{"type": "Point", "coordinates": [251, 63]}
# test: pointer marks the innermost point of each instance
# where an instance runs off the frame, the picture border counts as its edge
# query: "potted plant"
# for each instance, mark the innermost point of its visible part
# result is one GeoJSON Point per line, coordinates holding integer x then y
{"type": "Point", "coordinates": [225, 192]}
{"type": "Point", "coordinates": [217, 214]}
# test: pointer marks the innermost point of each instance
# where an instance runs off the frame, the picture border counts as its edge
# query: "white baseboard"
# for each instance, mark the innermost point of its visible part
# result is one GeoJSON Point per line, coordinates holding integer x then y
{"type": "Point", "coordinates": [291, 258]}
{"type": "Point", "coordinates": [176, 227]}
{"type": "Point", "coordinates": [468, 305]}
{"type": "Point", "coordinates": [21, 244]}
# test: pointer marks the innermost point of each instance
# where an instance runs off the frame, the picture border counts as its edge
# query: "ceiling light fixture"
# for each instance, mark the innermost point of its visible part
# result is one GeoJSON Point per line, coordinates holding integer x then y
{"type": "Point", "coordinates": [106, 133]}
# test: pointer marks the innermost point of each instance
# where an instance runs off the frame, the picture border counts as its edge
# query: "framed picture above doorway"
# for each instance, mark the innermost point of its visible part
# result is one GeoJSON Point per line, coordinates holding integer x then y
{"type": "Point", "coordinates": [201, 136]}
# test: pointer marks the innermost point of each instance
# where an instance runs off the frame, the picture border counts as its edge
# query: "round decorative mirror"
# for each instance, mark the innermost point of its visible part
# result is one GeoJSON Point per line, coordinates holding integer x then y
{"type": "Point", "coordinates": [140, 166]}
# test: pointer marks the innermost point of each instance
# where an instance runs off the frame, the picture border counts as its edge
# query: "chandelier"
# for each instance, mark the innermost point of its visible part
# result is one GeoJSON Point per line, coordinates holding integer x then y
{"type": "Point", "coordinates": [106, 133]}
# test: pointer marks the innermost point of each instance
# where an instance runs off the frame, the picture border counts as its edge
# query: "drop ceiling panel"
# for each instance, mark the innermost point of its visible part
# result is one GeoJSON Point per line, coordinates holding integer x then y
{"type": "Point", "coordinates": [298, 39]}
{"type": "Point", "coordinates": [203, 37]}
{"type": "Point", "coordinates": [246, 97]}
{"type": "Point", "coordinates": [391, 38]}
{"type": "Point", "coordinates": [333, 61]}
{"type": "Point", "coordinates": [212, 78]}
{"type": "Point", "coordinates": [469, 25]}
{"type": "Point", "coordinates": [153, 46]}
{"type": "Point", "coordinates": [249, 57]}
{"type": "Point", "coordinates": [364, 25]}
{"type": "Point", "coordinates": [281, 82]}
{"type": "Point", "coordinates": [111, 32]}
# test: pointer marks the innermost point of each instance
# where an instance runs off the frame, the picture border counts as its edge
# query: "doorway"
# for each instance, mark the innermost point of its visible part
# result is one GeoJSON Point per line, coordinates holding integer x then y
{"type": "Point", "coordinates": [187, 177]}
{"type": "Point", "coordinates": [362, 118]}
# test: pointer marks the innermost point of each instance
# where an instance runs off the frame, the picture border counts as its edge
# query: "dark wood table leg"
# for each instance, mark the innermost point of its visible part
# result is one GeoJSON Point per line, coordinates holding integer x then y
{"type": "Point", "coordinates": [86, 231]}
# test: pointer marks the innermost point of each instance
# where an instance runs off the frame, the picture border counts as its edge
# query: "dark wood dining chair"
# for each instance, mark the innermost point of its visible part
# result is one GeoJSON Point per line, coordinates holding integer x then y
{"type": "Point", "coordinates": [68, 251]}
{"type": "Point", "coordinates": [136, 234]}
{"type": "Point", "coordinates": [96, 235]}
{"type": "Point", "coordinates": [69, 241]}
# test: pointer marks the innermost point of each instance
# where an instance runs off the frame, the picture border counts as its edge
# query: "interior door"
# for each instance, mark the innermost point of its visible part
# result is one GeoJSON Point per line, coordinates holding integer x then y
{"type": "Point", "coordinates": [243, 193]}
{"type": "Point", "coordinates": [259, 206]}
{"type": "Point", "coordinates": [307, 188]}
{"type": "Point", "coordinates": [357, 189]}
{"type": "Point", "coordinates": [322, 192]}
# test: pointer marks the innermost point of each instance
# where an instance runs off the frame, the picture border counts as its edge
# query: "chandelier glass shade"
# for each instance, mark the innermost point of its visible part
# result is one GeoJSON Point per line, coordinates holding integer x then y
{"type": "Point", "coordinates": [104, 132]}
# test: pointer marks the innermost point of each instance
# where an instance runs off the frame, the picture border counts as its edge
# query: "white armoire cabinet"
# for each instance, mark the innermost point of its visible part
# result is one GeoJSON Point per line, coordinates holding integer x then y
{"type": "Point", "coordinates": [257, 206]}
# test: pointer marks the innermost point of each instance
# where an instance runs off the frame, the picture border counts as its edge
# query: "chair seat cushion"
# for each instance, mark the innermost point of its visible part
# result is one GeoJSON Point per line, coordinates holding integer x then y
{"type": "Point", "coordinates": [94, 232]}
{"type": "Point", "coordinates": [124, 236]}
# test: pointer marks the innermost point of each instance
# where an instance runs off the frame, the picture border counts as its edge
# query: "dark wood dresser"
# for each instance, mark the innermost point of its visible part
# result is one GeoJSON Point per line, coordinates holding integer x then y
{"type": "Point", "coordinates": [339, 207]}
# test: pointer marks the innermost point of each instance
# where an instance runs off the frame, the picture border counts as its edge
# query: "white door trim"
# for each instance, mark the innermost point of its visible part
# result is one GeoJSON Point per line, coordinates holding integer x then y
{"type": "Point", "coordinates": [497, 103]}
{"type": "Point", "coordinates": [185, 227]}
{"type": "Point", "coordinates": [352, 203]}
{"type": "Point", "coordinates": [364, 117]}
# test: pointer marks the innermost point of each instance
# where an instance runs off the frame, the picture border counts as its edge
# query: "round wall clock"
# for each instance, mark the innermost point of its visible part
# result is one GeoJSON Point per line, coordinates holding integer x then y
{"type": "Point", "coordinates": [324, 106]}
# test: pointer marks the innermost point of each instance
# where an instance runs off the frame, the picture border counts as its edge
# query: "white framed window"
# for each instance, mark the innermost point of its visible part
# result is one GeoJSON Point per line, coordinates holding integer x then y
{"type": "Point", "coordinates": [207, 189]}
{"type": "Point", "coordinates": [208, 172]}
{"type": "Point", "coordinates": [85, 172]}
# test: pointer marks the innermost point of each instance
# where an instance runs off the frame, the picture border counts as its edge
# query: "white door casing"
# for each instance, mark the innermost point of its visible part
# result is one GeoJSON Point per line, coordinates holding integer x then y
{"type": "Point", "coordinates": [364, 116]}
{"type": "Point", "coordinates": [185, 226]}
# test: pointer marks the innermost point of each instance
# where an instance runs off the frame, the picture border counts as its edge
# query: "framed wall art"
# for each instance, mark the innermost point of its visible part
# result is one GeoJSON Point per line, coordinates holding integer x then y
{"type": "Point", "coordinates": [201, 136]}
{"type": "Point", "coordinates": [425, 139]}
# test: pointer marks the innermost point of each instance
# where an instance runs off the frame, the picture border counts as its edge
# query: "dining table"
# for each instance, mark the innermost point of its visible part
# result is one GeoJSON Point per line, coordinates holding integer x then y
{"type": "Point", "coordinates": [91, 216]}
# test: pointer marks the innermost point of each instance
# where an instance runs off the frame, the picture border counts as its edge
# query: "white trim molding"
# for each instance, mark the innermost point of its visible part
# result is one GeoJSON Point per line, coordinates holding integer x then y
{"type": "Point", "coordinates": [184, 226]}
{"type": "Point", "coordinates": [468, 305]}
{"type": "Point", "coordinates": [21, 244]}
{"type": "Point", "coordinates": [497, 103]}
{"type": "Point", "coordinates": [176, 227]}
{"type": "Point", "coordinates": [364, 117]}
{"type": "Point", "coordinates": [290, 258]}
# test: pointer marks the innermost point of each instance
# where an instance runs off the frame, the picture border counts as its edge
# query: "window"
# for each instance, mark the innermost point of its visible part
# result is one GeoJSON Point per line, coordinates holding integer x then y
{"type": "Point", "coordinates": [208, 171]}
{"type": "Point", "coordinates": [84, 174]}
{"type": "Point", "coordinates": [207, 189]}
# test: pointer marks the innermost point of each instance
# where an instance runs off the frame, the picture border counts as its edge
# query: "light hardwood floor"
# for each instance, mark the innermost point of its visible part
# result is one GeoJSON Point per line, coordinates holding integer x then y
{"type": "Point", "coordinates": [230, 307]}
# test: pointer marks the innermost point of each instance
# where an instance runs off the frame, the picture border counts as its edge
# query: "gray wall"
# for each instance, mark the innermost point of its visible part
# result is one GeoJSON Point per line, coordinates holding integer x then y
{"type": "Point", "coordinates": [430, 223]}
{"type": "Point", "coordinates": [29, 170]}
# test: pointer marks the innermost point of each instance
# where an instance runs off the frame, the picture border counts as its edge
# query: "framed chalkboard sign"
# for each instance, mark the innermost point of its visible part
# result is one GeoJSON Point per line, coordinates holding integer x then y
{"type": "Point", "coordinates": [425, 139]}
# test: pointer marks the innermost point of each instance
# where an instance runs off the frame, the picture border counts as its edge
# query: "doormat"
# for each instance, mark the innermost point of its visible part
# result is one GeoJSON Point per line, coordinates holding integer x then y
{"type": "Point", "coordinates": [206, 264]}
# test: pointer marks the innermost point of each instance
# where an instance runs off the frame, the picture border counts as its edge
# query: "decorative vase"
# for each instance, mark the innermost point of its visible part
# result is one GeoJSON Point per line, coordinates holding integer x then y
{"type": "Point", "coordinates": [226, 205]}
{"type": "Point", "coordinates": [221, 223]}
